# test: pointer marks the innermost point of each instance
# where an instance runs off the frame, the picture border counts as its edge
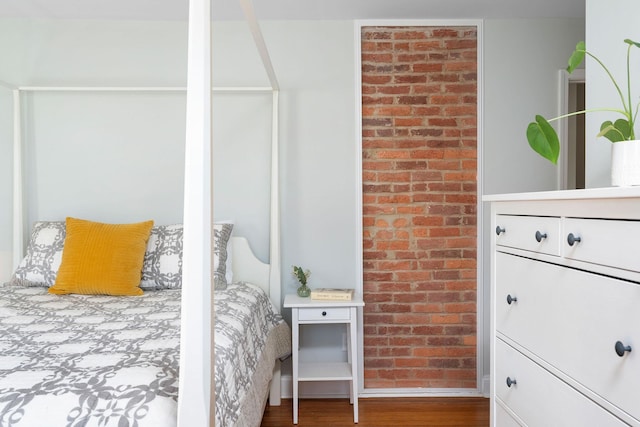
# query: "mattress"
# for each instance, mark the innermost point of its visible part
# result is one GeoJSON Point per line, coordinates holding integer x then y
{"type": "Point", "coordinates": [86, 360]}
{"type": "Point", "coordinates": [250, 335]}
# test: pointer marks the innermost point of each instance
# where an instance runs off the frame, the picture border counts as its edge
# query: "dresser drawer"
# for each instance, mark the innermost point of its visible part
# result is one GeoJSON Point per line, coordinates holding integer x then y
{"type": "Point", "coordinates": [503, 418]}
{"type": "Point", "coordinates": [573, 319]}
{"type": "Point", "coordinates": [532, 233]}
{"type": "Point", "coordinates": [324, 313]}
{"type": "Point", "coordinates": [538, 397]}
{"type": "Point", "coordinates": [606, 242]}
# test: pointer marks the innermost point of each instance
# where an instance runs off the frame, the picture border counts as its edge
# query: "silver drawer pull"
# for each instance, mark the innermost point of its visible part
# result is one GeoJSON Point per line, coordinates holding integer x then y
{"type": "Point", "coordinates": [511, 299]}
{"type": "Point", "coordinates": [511, 382]}
{"type": "Point", "coordinates": [500, 230]}
{"type": "Point", "coordinates": [572, 240]}
{"type": "Point", "coordinates": [621, 349]}
{"type": "Point", "coordinates": [540, 236]}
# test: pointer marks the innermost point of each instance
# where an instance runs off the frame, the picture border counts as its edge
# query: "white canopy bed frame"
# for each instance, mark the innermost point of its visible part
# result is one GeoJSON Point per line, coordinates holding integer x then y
{"type": "Point", "coordinates": [196, 400]}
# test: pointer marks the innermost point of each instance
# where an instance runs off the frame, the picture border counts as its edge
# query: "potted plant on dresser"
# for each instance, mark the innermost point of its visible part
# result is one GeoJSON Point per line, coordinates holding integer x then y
{"type": "Point", "coordinates": [625, 151]}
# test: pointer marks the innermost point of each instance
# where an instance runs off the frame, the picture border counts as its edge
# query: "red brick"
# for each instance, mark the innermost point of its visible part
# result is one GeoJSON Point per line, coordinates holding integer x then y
{"type": "Point", "coordinates": [419, 180]}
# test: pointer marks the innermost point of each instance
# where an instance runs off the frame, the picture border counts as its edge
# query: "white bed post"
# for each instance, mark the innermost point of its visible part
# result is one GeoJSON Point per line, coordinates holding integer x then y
{"type": "Point", "coordinates": [275, 288]}
{"type": "Point", "coordinates": [195, 397]}
{"type": "Point", "coordinates": [18, 225]}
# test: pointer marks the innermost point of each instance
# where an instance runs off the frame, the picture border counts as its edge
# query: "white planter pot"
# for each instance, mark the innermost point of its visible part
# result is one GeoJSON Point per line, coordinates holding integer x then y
{"type": "Point", "coordinates": [625, 163]}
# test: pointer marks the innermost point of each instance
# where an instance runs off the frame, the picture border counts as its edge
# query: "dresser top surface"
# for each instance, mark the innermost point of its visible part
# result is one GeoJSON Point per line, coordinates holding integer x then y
{"type": "Point", "coordinates": [590, 193]}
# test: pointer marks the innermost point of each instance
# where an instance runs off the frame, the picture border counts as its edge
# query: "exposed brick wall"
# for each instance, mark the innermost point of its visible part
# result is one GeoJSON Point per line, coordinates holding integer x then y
{"type": "Point", "coordinates": [419, 100]}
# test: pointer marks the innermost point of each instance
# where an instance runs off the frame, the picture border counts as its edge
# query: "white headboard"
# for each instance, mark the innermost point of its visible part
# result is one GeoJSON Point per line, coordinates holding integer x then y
{"type": "Point", "coordinates": [246, 267]}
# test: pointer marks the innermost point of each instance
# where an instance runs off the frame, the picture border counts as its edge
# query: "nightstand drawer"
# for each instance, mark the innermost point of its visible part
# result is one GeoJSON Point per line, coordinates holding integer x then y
{"type": "Point", "coordinates": [324, 313]}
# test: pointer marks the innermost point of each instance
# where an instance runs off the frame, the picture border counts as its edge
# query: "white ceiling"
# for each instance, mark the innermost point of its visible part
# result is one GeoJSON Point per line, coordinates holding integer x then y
{"type": "Point", "coordinates": [296, 9]}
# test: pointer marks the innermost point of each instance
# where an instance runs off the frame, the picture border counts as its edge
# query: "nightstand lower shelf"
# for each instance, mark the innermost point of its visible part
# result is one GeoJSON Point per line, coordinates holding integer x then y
{"type": "Point", "coordinates": [325, 371]}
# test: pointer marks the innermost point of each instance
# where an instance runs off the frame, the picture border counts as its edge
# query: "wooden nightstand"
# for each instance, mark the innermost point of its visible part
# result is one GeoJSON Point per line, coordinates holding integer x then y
{"type": "Point", "coordinates": [306, 311]}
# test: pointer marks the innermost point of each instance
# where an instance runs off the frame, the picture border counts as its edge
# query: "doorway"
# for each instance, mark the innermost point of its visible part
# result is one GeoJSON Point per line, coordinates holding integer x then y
{"type": "Point", "coordinates": [572, 131]}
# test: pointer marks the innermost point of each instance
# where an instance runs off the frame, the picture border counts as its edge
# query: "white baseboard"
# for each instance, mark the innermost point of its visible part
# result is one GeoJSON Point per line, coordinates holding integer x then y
{"type": "Point", "coordinates": [486, 386]}
{"type": "Point", "coordinates": [340, 389]}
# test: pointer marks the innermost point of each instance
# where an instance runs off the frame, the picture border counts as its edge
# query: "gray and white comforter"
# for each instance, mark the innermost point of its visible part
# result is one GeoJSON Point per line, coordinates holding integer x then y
{"type": "Point", "coordinates": [80, 360]}
{"type": "Point", "coordinates": [249, 336]}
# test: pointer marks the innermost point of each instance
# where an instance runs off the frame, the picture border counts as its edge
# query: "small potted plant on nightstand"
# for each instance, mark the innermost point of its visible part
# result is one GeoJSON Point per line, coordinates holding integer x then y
{"type": "Point", "coordinates": [625, 154]}
{"type": "Point", "coordinates": [302, 276]}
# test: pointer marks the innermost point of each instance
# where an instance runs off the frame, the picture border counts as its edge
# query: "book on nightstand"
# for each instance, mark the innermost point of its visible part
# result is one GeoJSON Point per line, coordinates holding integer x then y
{"type": "Point", "coordinates": [332, 294]}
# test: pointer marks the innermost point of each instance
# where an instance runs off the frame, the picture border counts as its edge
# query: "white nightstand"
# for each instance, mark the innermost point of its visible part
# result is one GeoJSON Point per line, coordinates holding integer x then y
{"type": "Point", "coordinates": [306, 311]}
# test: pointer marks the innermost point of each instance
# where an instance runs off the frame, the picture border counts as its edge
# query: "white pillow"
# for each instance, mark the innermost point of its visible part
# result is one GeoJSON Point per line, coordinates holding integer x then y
{"type": "Point", "coordinates": [162, 268]}
{"type": "Point", "coordinates": [44, 254]}
{"type": "Point", "coordinates": [229, 263]}
{"type": "Point", "coordinates": [222, 235]}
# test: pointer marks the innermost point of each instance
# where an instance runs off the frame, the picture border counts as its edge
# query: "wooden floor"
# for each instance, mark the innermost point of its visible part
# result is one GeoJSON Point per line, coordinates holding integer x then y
{"type": "Point", "coordinates": [383, 412]}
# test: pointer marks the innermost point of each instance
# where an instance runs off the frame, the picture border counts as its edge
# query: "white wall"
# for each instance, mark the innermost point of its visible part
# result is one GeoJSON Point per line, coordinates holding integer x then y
{"type": "Point", "coordinates": [113, 157]}
{"type": "Point", "coordinates": [606, 28]}
{"type": "Point", "coordinates": [521, 63]}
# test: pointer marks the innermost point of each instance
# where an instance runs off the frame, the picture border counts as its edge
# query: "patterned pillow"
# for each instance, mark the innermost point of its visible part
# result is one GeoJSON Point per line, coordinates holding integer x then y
{"type": "Point", "coordinates": [222, 234]}
{"type": "Point", "coordinates": [44, 254]}
{"type": "Point", "coordinates": [162, 267]}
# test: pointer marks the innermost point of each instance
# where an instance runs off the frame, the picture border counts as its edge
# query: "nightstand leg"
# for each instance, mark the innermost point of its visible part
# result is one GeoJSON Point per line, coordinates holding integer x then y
{"type": "Point", "coordinates": [353, 353]}
{"type": "Point", "coordinates": [349, 350]}
{"type": "Point", "coordinates": [294, 350]}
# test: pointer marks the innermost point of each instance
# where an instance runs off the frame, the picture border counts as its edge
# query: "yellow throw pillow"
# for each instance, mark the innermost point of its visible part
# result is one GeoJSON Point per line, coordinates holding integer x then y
{"type": "Point", "coordinates": [102, 259]}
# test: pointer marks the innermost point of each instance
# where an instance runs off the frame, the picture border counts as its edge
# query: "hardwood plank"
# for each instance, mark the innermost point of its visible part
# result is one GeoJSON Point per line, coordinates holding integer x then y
{"type": "Point", "coordinates": [383, 412]}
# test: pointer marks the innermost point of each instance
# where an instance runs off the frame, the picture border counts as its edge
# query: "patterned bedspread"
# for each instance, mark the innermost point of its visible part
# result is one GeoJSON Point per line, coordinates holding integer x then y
{"type": "Point", "coordinates": [249, 336]}
{"type": "Point", "coordinates": [78, 360]}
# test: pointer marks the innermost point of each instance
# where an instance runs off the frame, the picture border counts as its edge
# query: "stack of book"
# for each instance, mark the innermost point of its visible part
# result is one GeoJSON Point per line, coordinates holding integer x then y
{"type": "Point", "coordinates": [332, 294]}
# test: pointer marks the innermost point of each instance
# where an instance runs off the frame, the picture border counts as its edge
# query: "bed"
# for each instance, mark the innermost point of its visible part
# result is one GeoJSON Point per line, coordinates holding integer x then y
{"type": "Point", "coordinates": [102, 360]}
{"type": "Point", "coordinates": [244, 375]}
{"type": "Point", "coordinates": [195, 406]}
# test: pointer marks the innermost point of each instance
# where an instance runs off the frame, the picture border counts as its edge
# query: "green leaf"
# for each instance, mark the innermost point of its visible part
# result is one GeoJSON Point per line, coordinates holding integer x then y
{"type": "Point", "coordinates": [576, 57]}
{"type": "Point", "coordinates": [543, 139]}
{"type": "Point", "coordinates": [631, 42]}
{"type": "Point", "coordinates": [614, 132]}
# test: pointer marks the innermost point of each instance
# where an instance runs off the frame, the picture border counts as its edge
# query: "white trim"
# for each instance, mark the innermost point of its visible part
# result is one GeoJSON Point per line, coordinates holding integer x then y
{"type": "Point", "coordinates": [340, 390]}
{"type": "Point", "coordinates": [418, 22]}
{"type": "Point", "coordinates": [480, 309]}
{"type": "Point", "coordinates": [359, 279]}
{"type": "Point", "coordinates": [481, 333]}
{"type": "Point", "coordinates": [564, 79]}
{"type": "Point", "coordinates": [486, 385]}
{"type": "Point", "coordinates": [420, 392]}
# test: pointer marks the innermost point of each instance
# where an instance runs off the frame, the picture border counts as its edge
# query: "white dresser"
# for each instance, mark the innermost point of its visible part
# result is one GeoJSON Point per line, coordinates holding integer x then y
{"type": "Point", "coordinates": [565, 314]}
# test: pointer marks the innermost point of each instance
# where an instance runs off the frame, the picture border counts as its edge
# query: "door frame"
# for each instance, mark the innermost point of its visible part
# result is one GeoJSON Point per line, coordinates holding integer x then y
{"type": "Point", "coordinates": [564, 80]}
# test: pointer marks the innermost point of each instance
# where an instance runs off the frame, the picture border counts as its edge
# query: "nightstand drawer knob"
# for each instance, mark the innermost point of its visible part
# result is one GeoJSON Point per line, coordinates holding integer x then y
{"type": "Point", "coordinates": [540, 236]}
{"type": "Point", "coordinates": [324, 313]}
{"type": "Point", "coordinates": [511, 382]}
{"type": "Point", "coordinates": [511, 299]}
{"type": "Point", "coordinates": [500, 230]}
